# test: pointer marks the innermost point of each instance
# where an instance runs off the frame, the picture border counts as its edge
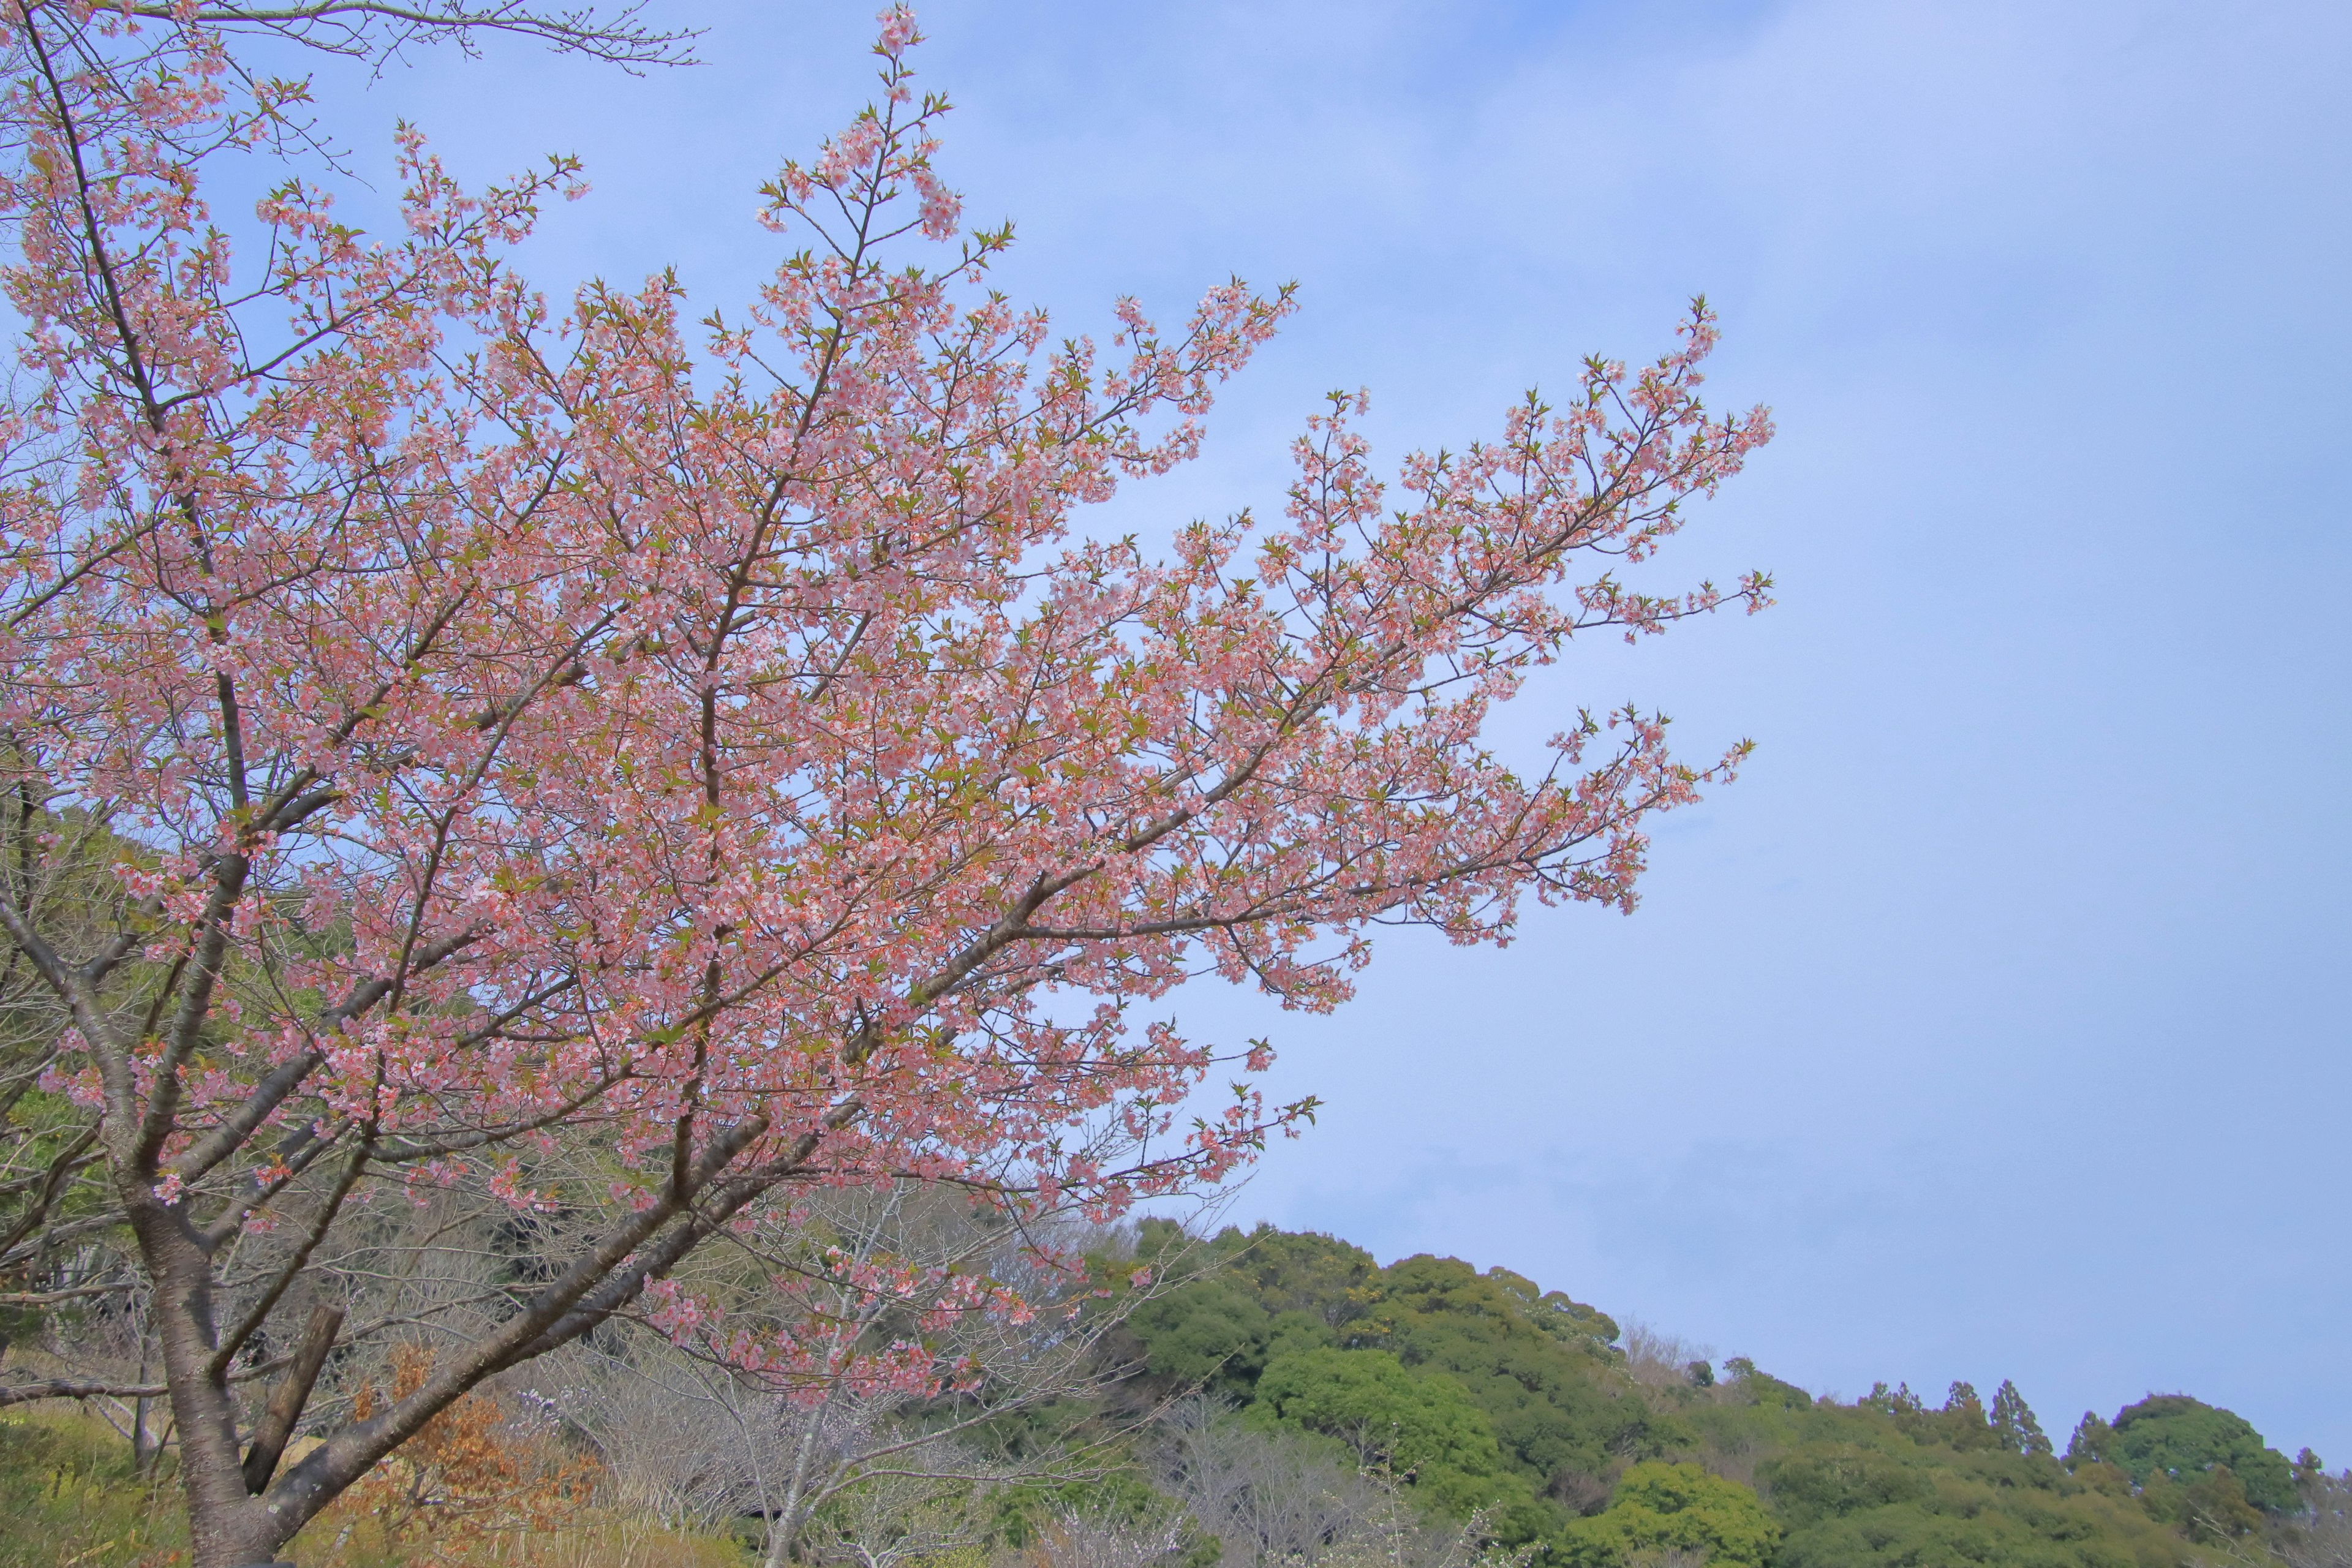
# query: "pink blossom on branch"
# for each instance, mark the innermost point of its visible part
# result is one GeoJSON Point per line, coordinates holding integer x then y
{"type": "Point", "coordinates": [507, 722]}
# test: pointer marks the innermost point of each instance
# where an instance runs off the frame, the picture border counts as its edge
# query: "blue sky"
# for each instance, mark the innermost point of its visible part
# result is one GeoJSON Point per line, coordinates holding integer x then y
{"type": "Point", "coordinates": [1988, 1027]}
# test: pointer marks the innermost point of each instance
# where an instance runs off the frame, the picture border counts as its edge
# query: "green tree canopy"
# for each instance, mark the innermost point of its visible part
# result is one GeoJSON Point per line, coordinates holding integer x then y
{"type": "Point", "coordinates": [1660, 1507]}
{"type": "Point", "coordinates": [1831, 1479]}
{"type": "Point", "coordinates": [1487, 1391]}
{"type": "Point", "coordinates": [1537, 1362]}
{"type": "Point", "coordinates": [2180, 1437]}
{"type": "Point", "coordinates": [1210, 1333]}
{"type": "Point", "coordinates": [1306, 1272]}
{"type": "Point", "coordinates": [2090, 1442]}
{"type": "Point", "coordinates": [1424, 1426]}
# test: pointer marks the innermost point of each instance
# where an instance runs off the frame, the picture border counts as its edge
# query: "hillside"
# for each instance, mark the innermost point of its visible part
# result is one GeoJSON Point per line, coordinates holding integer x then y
{"type": "Point", "coordinates": [1250, 1400]}
{"type": "Point", "coordinates": [1482, 1390]}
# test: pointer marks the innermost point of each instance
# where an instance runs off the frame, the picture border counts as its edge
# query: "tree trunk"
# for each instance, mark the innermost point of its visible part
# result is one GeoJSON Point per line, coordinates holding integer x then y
{"type": "Point", "coordinates": [142, 1446]}
{"type": "Point", "coordinates": [784, 1529]}
{"type": "Point", "coordinates": [227, 1529]}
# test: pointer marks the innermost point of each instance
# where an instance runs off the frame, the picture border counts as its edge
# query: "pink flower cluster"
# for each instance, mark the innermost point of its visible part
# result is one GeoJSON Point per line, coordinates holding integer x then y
{"type": "Point", "coordinates": [510, 718]}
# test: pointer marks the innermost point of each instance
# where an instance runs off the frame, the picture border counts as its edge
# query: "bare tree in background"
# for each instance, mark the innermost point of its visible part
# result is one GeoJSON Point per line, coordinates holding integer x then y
{"type": "Point", "coordinates": [1278, 1499]}
{"type": "Point", "coordinates": [2322, 1538]}
{"type": "Point", "coordinates": [893, 1518]}
{"type": "Point", "coordinates": [1102, 1539]}
{"type": "Point", "coordinates": [693, 1433]}
{"type": "Point", "coordinates": [1658, 1360]}
{"type": "Point", "coordinates": [1268, 1498]}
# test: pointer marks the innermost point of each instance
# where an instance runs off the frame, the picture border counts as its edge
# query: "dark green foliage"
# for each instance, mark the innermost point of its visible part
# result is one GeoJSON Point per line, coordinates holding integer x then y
{"type": "Point", "coordinates": [1897, 1400]}
{"type": "Point", "coordinates": [2180, 1437]}
{"type": "Point", "coordinates": [1421, 1426]}
{"type": "Point", "coordinates": [1252, 1296]}
{"type": "Point", "coordinates": [1536, 1365]}
{"type": "Point", "coordinates": [1533, 1361]}
{"type": "Point", "coordinates": [1481, 1390]}
{"type": "Point", "coordinates": [1210, 1333]}
{"type": "Point", "coordinates": [1962, 1423]}
{"type": "Point", "coordinates": [1425, 1285]}
{"type": "Point", "coordinates": [2092, 1439]}
{"type": "Point", "coordinates": [1827, 1480]}
{"type": "Point", "coordinates": [1917, 1537]}
{"type": "Point", "coordinates": [1883, 1497]}
{"type": "Point", "coordinates": [2013, 1421]}
{"type": "Point", "coordinates": [1313, 1275]}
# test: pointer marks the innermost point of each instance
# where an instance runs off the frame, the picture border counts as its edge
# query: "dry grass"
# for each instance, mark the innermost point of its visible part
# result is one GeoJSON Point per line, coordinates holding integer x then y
{"type": "Point", "coordinates": [71, 1499]}
{"type": "Point", "coordinates": [593, 1539]}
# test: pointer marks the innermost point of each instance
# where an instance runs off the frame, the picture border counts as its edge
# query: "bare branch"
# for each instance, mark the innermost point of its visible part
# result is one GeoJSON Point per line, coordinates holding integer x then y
{"type": "Point", "coordinates": [373, 29]}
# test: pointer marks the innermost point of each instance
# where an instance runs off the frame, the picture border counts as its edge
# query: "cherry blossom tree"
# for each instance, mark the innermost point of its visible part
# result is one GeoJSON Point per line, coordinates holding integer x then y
{"type": "Point", "coordinates": [439, 727]}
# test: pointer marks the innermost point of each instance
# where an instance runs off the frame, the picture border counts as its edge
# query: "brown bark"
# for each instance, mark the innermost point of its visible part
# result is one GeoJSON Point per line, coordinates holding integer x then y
{"type": "Point", "coordinates": [227, 1529]}
{"type": "Point", "coordinates": [285, 1400]}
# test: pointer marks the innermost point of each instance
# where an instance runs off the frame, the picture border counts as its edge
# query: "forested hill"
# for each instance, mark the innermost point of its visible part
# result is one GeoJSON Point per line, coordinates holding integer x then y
{"type": "Point", "coordinates": [1593, 1447]}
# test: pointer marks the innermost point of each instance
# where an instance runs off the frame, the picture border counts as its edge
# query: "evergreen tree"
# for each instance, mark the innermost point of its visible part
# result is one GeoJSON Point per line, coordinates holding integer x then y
{"type": "Point", "coordinates": [2090, 1442]}
{"type": "Point", "coordinates": [2013, 1419]}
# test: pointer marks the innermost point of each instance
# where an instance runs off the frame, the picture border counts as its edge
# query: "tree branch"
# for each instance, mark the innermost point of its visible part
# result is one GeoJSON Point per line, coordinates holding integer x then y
{"type": "Point", "coordinates": [292, 1393]}
{"type": "Point", "coordinates": [378, 30]}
